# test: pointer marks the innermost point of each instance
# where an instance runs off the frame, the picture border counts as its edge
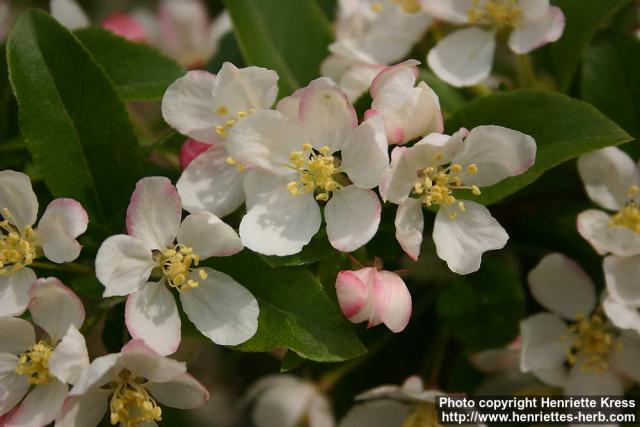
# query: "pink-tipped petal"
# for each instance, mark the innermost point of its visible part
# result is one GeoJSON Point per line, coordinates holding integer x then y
{"type": "Point", "coordinates": [62, 222]}
{"type": "Point", "coordinates": [125, 26]}
{"type": "Point", "coordinates": [55, 307]}
{"type": "Point", "coordinates": [190, 150]}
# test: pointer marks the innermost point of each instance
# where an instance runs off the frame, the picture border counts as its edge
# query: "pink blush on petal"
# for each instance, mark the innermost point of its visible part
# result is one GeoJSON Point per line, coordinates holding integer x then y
{"type": "Point", "coordinates": [125, 26]}
{"type": "Point", "coordinates": [190, 150]}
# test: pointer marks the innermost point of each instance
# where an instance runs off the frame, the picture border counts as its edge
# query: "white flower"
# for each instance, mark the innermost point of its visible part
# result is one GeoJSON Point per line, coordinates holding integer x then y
{"type": "Point", "coordinates": [41, 370]}
{"type": "Point", "coordinates": [433, 171]}
{"type": "Point", "coordinates": [69, 14]}
{"type": "Point", "coordinates": [205, 107]}
{"type": "Point", "coordinates": [130, 384]}
{"type": "Point", "coordinates": [21, 244]}
{"type": "Point", "coordinates": [291, 156]}
{"type": "Point", "coordinates": [285, 400]}
{"type": "Point", "coordinates": [595, 351]}
{"type": "Point", "coordinates": [375, 296]}
{"type": "Point", "coordinates": [465, 57]}
{"type": "Point", "coordinates": [409, 112]}
{"type": "Point", "coordinates": [371, 34]}
{"type": "Point", "coordinates": [148, 261]}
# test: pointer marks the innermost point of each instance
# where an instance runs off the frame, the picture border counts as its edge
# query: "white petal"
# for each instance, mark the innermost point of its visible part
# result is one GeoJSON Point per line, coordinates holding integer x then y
{"type": "Point", "coordinates": [13, 386]}
{"type": "Point", "coordinates": [84, 411]}
{"type": "Point", "coordinates": [240, 89]}
{"type": "Point", "coordinates": [55, 308]}
{"type": "Point", "coordinates": [184, 392]}
{"type": "Point", "coordinates": [454, 11]}
{"type": "Point", "coordinates": [353, 289]}
{"type": "Point", "coordinates": [589, 383]}
{"type": "Point", "coordinates": [16, 194]}
{"type": "Point", "coordinates": [70, 357]}
{"type": "Point", "coordinates": [154, 212]}
{"type": "Point", "coordinates": [607, 175]}
{"type": "Point", "coordinates": [40, 406]}
{"type": "Point", "coordinates": [320, 413]}
{"type": "Point", "coordinates": [277, 223]}
{"type": "Point", "coordinates": [352, 215]}
{"type": "Point", "coordinates": [364, 154]}
{"type": "Point", "coordinates": [555, 377]}
{"type": "Point", "coordinates": [596, 228]}
{"type": "Point", "coordinates": [283, 405]}
{"type": "Point", "coordinates": [435, 146]}
{"type": "Point", "coordinates": [188, 105]}
{"type": "Point", "coordinates": [101, 371]}
{"type": "Point", "coordinates": [221, 308]}
{"type": "Point", "coordinates": [398, 180]}
{"type": "Point", "coordinates": [392, 300]}
{"type": "Point", "coordinates": [143, 362]}
{"type": "Point", "coordinates": [391, 88]}
{"type": "Point", "coordinates": [462, 241]}
{"type": "Point", "coordinates": [542, 345]}
{"type": "Point", "coordinates": [152, 316]}
{"type": "Point", "coordinates": [561, 286]}
{"type": "Point", "coordinates": [62, 222]}
{"type": "Point", "coordinates": [626, 360]}
{"type": "Point", "coordinates": [498, 153]}
{"type": "Point", "coordinates": [622, 278]}
{"type": "Point", "coordinates": [409, 224]}
{"type": "Point", "coordinates": [209, 183]}
{"type": "Point", "coordinates": [123, 264]}
{"type": "Point", "coordinates": [69, 14]}
{"type": "Point", "coordinates": [16, 335]}
{"type": "Point", "coordinates": [326, 114]}
{"type": "Point", "coordinates": [622, 315]}
{"type": "Point", "coordinates": [265, 140]}
{"type": "Point", "coordinates": [535, 32]}
{"type": "Point", "coordinates": [534, 8]}
{"type": "Point", "coordinates": [357, 80]}
{"type": "Point", "coordinates": [463, 58]}
{"type": "Point", "coordinates": [14, 292]}
{"type": "Point", "coordinates": [209, 236]}
{"type": "Point", "coordinates": [379, 413]}
{"type": "Point", "coordinates": [420, 116]}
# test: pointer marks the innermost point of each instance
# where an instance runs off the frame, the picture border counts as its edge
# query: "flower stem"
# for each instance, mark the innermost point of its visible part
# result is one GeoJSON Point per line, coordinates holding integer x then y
{"type": "Point", "coordinates": [525, 72]}
{"type": "Point", "coordinates": [71, 267]}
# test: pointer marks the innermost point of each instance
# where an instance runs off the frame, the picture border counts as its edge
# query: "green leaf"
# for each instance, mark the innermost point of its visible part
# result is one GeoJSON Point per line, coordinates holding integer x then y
{"type": "Point", "coordinates": [583, 19]}
{"type": "Point", "coordinates": [291, 361]}
{"type": "Point", "coordinates": [483, 310]}
{"type": "Point", "coordinates": [610, 79]}
{"type": "Point", "coordinates": [564, 128]}
{"type": "Point", "coordinates": [288, 36]}
{"type": "Point", "coordinates": [295, 312]}
{"type": "Point", "coordinates": [317, 250]}
{"type": "Point", "coordinates": [75, 126]}
{"type": "Point", "coordinates": [451, 98]}
{"type": "Point", "coordinates": [138, 71]}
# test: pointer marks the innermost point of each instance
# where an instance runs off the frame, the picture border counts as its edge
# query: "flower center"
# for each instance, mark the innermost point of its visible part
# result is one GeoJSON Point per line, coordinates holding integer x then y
{"type": "Point", "coordinates": [17, 249]}
{"type": "Point", "coordinates": [629, 216]}
{"type": "Point", "coordinates": [435, 185]}
{"type": "Point", "coordinates": [317, 171]}
{"type": "Point", "coordinates": [176, 263]}
{"type": "Point", "coordinates": [34, 364]}
{"type": "Point", "coordinates": [496, 13]}
{"type": "Point", "coordinates": [131, 404]}
{"type": "Point", "coordinates": [231, 119]}
{"type": "Point", "coordinates": [424, 415]}
{"type": "Point", "coordinates": [592, 340]}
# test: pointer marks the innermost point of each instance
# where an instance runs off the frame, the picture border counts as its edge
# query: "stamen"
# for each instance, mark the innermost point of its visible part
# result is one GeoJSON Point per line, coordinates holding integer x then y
{"type": "Point", "coordinates": [628, 216]}
{"type": "Point", "coordinates": [176, 263]}
{"type": "Point", "coordinates": [34, 364]}
{"type": "Point", "coordinates": [17, 248]}
{"type": "Point", "coordinates": [131, 404]}
{"type": "Point", "coordinates": [592, 340]}
{"type": "Point", "coordinates": [409, 6]}
{"type": "Point", "coordinates": [495, 13]}
{"type": "Point", "coordinates": [222, 110]}
{"type": "Point", "coordinates": [317, 171]}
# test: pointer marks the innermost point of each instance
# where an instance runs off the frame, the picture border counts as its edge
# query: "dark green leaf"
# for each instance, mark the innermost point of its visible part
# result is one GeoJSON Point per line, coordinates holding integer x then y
{"type": "Point", "coordinates": [74, 124]}
{"type": "Point", "coordinates": [288, 36]}
{"type": "Point", "coordinates": [291, 361]}
{"type": "Point", "coordinates": [138, 71]}
{"type": "Point", "coordinates": [482, 310]}
{"type": "Point", "coordinates": [563, 128]}
{"type": "Point", "coordinates": [295, 312]}
{"type": "Point", "coordinates": [450, 98]}
{"type": "Point", "coordinates": [113, 332]}
{"type": "Point", "coordinates": [318, 249]}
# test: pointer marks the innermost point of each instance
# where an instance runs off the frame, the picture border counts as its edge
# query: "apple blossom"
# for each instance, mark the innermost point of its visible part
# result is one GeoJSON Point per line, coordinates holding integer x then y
{"type": "Point", "coordinates": [148, 262]}
{"type": "Point", "coordinates": [69, 13]}
{"type": "Point", "coordinates": [371, 34]}
{"type": "Point", "coordinates": [291, 154]}
{"type": "Point", "coordinates": [129, 385]}
{"type": "Point", "coordinates": [285, 400]}
{"type": "Point", "coordinates": [589, 355]}
{"type": "Point", "coordinates": [465, 57]}
{"type": "Point", "coordinates": [409, 111]}
{"type": "Point", "coordinates": [205, 107]}
{"type": "Point", "coordinates": [20, 244]}
{"type": "Point", "coordinates": [41, 370]}
{"type": "Point", "coordinates": [376, 296]}
{"type": "Point", "coordinates": [432, 172]}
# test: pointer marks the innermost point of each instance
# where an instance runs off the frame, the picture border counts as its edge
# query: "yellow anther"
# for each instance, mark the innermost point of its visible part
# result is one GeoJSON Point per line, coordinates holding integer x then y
{"type": "Point", "coordinates": [461, 206]}
{"type": "Point", "coordinates": [472, 169]}
{"type": "Point", "coordinates": [306, 147]}
{"type": "Point", "coordinates": [131, 404]}
{"type": "Point", "coordinates": [18, 248]}
{"type": "Point", "coordinates": [220, 130]}
{"type": "Point", "coordinates": [229, 123]}
{"type": "Point", "coordinates": [453, 215]}
{"type": "Point", "coordinates": [409, 6]}
{"type": "Point", "coordinates": [634, 190]}
{"type": "Point", "coordinates": [325, 151]}
{"type": "Point", "coordinates": [34, 364]}
{"type": "Point", "coordinates": [456, 168]}
{"type": "Point", "coordinates": [317, 171]}
{"type": "Point", "coordinates": [437, 157]}
{"type": "Point", "coordinates": [231, 161]}
{"type": "Point", "coordinates": [628, 216]}
{"type": "Point", "coordinates": [495, 13]}
{"type": "Point", "coordinates": [475, 190]}
{"type": "Point", "coordinates": [222, 110]}
{"type": "Point", "coordinates": [592, 340]}
{"type": "Point", "coordinates": [437, 184]}
{"type": "Point", "coordinates": [376, 7]}
{"type": "Point", "coordinates": [241, 114]}
{"type": "Point", "coordinates": [176, 263]}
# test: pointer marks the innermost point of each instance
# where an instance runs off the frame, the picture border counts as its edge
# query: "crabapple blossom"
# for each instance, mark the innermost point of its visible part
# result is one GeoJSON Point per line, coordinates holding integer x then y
{"type": "Point", "coordinates": [371, 34]}
{"type": "Point", "coordinates": [205, 107]}
{"type": "Point", "coordinates": [161, 253]}
{"type": "Point", "coordinates": [129, 385]}
{"type": "Point", "coordinates": [409, 111]}
{"type": "Point", "coordinates": [433, 171]}
{"type": "Point", "coordinates": [465, 57]}
{"type": "Point", "coordinates": [285, 400]}
{"type": "Point", "coordinates": [20, 243]}
{"type": "Point", "coordinates": [291, 154]}
{"type": "Point", "coordinates": [41, 369]}
{"type": "Point", "coordinates": [376, 296]}
{"type": "Point", "coordinates": [589, 355]}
